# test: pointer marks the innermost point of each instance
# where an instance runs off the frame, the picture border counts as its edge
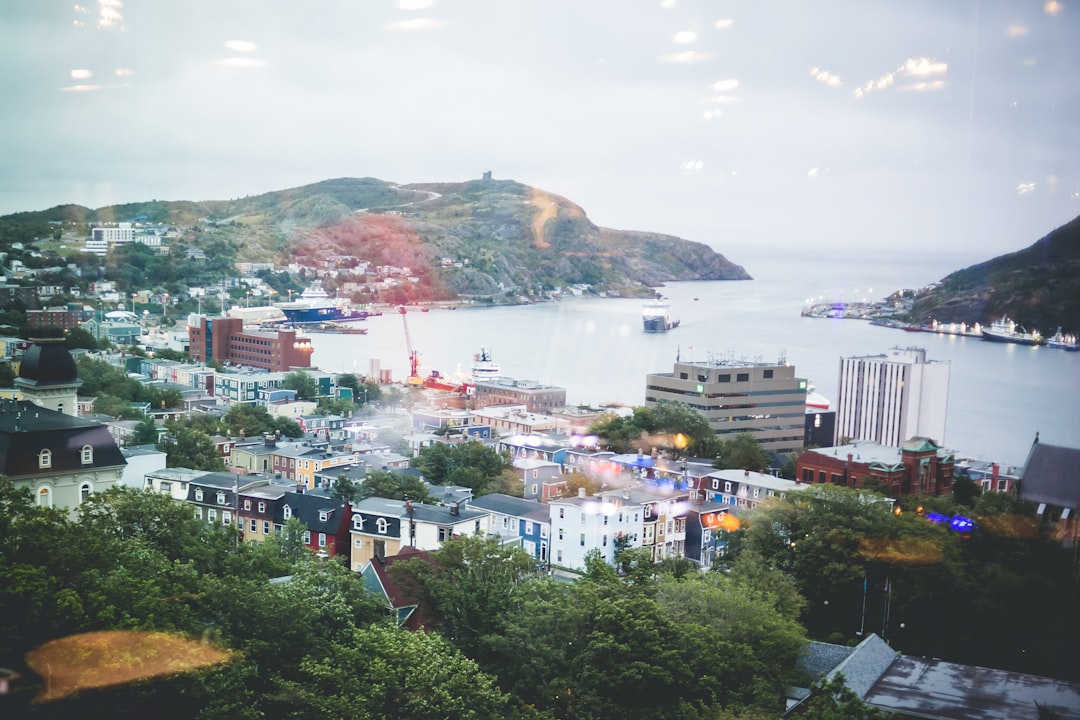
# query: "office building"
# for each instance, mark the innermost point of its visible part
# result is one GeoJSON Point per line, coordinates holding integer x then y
{"type": "Point", "coordinates": [737, 396]}
{"type": "Point", "coordinates": [889, 398]}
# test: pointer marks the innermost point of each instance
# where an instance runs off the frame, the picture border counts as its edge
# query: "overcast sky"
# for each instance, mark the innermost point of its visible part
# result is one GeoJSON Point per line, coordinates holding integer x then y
{"type": "Point", "coordinates": [750, 126]}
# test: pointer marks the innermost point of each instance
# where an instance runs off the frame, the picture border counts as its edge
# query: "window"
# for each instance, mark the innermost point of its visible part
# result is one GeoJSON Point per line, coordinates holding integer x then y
{"type": "Point", "coordinates": [716, 483]}
{"type": "Point", "coordinates": [560, 534]}
{"type": "Point", "coordinates": [247, 506]}
{"type": "Point", "coordinates": [767, 374]}
{"type": "Point", "coordinates": [226, 517]}
{"type": "Point", "coordinates": [324, 515]}
{"type": "Point", "coordinates": [198, 495]}
{"type": "Point", "coordinates": [582, 518]}
{"type": "Point", "coordinates": [358, 543]}
{"type": "Point", "coordinates": [727, 487]}
{"type": "Point", "coordinates": [221, 498]}
{"type": "Point", "coordinates": [757, 491]}
{"type": "Point", "coordinates": [44, 497]}
{"type": "Point", "coordinates": [380, 526]}
{"type": "Point", "coordinates": [444, 534]}
{"type": "Point", "coordinates": [543, 531]}
{"type": "Point", "coordinates": [198, 513]}
{"type": "Point", "coordinates": [604, 542]}
{"type": "Point", "coordinates": [742, 377]}
{"type": "Point", "coordinates": [582, 540]}
{"type": "Point", "coordinates": [558, 556]}
{"type": "Point", "coordinates": [605, 519]}
{"type": "Point", "coordinates": [562, 513]}
{"type": "Point", "coordinates": [45, 459]}
{"type": "Point", "coordinates": [535, 488]}
{"type": "Point", "coordinates": [85, 491]}
{"type": "Point", "coordinates": [648, 511]}
{"type": "Point", "coordinates": [307, 537]}
{"type": "Point", "coordinates": [262, 507]}
{"type": "Point", "coordinates": [528, 527]}
{"type": "Point", "coordinates": [211, 515]}
{"type": "Point", "coordinates": [87, 454]}
{"type": "Point", "coordinates": [266, 527]}
{"type": "Point", "coordinates": [286, 512]}
{"type": "Point", "coordinates": [253, 525]}
{"type": "Point", "coordinates": [726, 377]}
{"type": "Point", "coordinates": [536, 473]}
{"type": "Point", "coordinates": [322, 539]}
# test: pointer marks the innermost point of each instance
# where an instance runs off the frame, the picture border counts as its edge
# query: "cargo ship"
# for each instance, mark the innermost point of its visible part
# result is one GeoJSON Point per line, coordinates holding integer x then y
{"type": "Point", "coordinates": [655, 317]}
{"type": "Point", "coordinates": [316, 306]}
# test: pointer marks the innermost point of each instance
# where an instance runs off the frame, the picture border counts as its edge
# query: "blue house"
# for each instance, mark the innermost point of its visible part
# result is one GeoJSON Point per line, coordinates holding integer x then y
{"type": "Point", "coordinates": [516, 521]}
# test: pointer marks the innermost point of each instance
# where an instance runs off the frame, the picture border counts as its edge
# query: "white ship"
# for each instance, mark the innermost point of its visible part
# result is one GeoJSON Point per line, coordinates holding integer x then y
{"type": "Point", "coordinates": [655, 317]}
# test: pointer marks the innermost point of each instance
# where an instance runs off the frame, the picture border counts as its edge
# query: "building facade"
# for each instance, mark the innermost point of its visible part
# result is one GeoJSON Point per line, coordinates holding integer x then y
{"type": "Point", "coordinates": [918, 467]}
{"type": "Point", "coordinates": [225, 340]}
{"type": "Point", "coordinates": [536, 397]}
{"type": "Point", "coordinates": [765, 400]}
{"type": "Point", "coordinates": [889, 398]}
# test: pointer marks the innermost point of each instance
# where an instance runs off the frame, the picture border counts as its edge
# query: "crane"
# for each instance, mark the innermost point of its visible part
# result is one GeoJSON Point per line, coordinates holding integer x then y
{"type": "Point", "coordinates": [414, 359]}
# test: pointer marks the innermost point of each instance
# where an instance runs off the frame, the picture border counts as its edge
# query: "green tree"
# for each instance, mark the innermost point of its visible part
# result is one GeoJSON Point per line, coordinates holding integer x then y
{"type": "Point", "coordinates": [743, 452]}
{"type": "Point", "coordinates": [187, 447]}
{"type": "Point", "coordinates": [832, 700]}
{"type": "Point", "coordinates": [306, 386]}
{"type": "Point", "coordinates": [77, 338]}
{"type": "Point", "coordinates": [394, 486]}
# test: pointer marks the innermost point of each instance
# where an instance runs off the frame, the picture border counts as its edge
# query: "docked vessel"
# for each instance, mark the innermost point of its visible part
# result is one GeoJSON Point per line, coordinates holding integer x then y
{"type": "Point", "coordinates": [655, 317]}
{"type": "Point", "coordinates": [316, 306]}
{"type": "Point", "coordinates": [1006, 331]}
{"type": "Point", "coordinates": [1063, 341]}
{"type": "Point", "coordinates": [484, 368]}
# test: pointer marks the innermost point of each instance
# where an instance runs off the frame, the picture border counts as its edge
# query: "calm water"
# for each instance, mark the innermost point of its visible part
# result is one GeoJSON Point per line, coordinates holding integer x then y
{"type": "Point", "coordinates": [1000, 395]}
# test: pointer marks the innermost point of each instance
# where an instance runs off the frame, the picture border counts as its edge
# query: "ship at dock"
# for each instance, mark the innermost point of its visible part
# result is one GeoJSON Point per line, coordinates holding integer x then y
{"type": "Point", "coordinates": [655, 317]}
{"type": "Point", "coordinates": [316, 307]}
{"type": "Point", "coordinates": [1063, 341]}
{"type": "Point", "coordinates": [1006, 331]}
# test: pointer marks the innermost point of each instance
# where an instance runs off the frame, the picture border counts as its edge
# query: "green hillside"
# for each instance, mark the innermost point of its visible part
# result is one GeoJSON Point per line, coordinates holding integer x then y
{"type": "Point", "coordinates": [1038, 287]}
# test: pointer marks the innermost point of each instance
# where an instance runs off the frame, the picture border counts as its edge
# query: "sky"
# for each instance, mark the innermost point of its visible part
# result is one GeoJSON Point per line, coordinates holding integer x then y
{"type": "Point", "coordinates": [759, 128]}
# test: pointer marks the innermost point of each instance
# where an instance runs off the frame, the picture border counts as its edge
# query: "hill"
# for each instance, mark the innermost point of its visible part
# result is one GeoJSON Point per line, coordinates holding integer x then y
{"type": "Point", "coordinates": [483, 237]}
{"type": "Point", "coordinates": [1038, 287]}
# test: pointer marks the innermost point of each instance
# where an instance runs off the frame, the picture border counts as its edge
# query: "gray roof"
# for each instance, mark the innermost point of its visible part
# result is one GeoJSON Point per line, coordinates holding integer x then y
{"type": "Point", "coordinates": [1052, 476]}
{"type": "Point", "coordinates": [819, 658]}
{"type": "Point", "coordinates": [434, 514]}
{"type": "Point", "coordinates": [930, 688]}
{"type": "Point", "coordinates": [506, 504]}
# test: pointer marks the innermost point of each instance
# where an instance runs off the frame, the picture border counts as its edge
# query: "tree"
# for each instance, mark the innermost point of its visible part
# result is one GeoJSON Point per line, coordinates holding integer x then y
{"type": "Point", "coordinates": [394, 486]}
{"type": "Point", "coordinates": [190, 448]}
{"type": "Point", "coordinates": [743, 452]}
{"type": "Point", "coordinates": [77, 338]}
{"type": "Point", "coordinates": [832, 700]}
{"type": "Point", "coordinates": [306, 386]}
{"type": "Point", "coordinates": [146, 433]}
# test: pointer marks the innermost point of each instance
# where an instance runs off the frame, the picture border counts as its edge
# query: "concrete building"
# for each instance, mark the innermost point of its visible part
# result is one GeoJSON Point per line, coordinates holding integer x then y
{"type": "Point", "coordinates": [536, 397]}
{"type": "Point", "coordinates": [763, 399]}
{"type": "Point", "coordinates": [889, 398]}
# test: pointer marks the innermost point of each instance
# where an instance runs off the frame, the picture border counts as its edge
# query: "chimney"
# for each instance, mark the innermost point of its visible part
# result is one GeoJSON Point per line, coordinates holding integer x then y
{"type": "Point", "coordinates": [455, 509]}
{"type": "Point", "coordinates": [269, 440]}
{"type": "Point", "coordinates": [581, 492]}
{"type": "Point", "coordinates": [746, 473]}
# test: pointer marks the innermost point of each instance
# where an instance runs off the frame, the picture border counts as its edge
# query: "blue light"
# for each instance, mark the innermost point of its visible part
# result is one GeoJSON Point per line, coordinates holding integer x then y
{"type": "Point", "coordinates": [936, 517]}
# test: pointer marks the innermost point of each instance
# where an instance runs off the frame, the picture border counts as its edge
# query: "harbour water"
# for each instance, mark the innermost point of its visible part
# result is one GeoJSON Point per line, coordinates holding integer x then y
{"type": "Point", "coordinates": [1000, 395]}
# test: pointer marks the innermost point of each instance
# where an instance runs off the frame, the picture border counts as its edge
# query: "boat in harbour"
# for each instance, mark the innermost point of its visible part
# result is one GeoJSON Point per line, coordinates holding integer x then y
{"type": "Point", "coordinates": [315, 306]}
{"type": "Point", "coordinates": [1063, 341]}
{"type": "Point", "coordinates": [655, 317]}
{"type": "Point", "coordinates": [1007, 331]}
{"type": "Point", "coordinates": [484, 368]}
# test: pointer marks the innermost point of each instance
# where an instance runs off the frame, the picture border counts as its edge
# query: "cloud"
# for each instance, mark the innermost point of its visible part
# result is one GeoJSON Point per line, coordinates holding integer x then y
{"type": "Point", "coordinates": [724, 24]}
{"type": "Point", "coordinates": [911, 68]}
{"type": "Point", "coordinates": [124, 72]}
{"type": "Point", "coordinates": [240, 45]}
{"type": "Point", "coordinates": [80, 74]}
{"type": "Point", "coordinates": [921, 67]}
{"type": "Point", "coordinates": [825, 77]}
{"type": "Point", "coordinates": [415, 25]}
{"type": "Point", "coordinates": [687, 57]}
{"type": "Point", "coordinates": [668, 4]}
{"type": "Point", "coordinates": [924, 86]}
{"type": "Point", "coordinates": [242, 63]}
{"type": "Point", "coordinates": [1018, 30]}
{"type": "Point", "coordinates": [80, 88]}
{"type": "Point", "coordinates": [109, 15]}
{"type": "Point", "coordinates": [685, 37]}
{"type": "Point", "coordinates": [725, 85]}
{"type": "Point", "coordinates": [1025, 188]}
{"type": "Point", "coordinates": [692, 167]}
{"type": "Point", "coordinates": [415, 4]}
{"type": "Point", "coordinates": [723, 99]}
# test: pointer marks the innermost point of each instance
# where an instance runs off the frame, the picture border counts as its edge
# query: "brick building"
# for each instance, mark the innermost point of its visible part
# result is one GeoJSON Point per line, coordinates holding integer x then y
{"type": "Point", "coordinates": [224, 339]}
{"type": "Point", "coordinates": [918, 467]}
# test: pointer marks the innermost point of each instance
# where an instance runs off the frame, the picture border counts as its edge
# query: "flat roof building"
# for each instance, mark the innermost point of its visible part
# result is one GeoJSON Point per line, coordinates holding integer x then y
{"type": "Point", "coordinates": [763, 399]}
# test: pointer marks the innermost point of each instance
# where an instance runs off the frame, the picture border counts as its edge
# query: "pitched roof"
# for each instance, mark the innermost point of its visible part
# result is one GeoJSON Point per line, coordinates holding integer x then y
{"type": "Point", "coordinates": [506, 504]}
{"type": "Point", "coordinates": [1052, 475]}
{"type": "Point", "coordinates": [26, 430]}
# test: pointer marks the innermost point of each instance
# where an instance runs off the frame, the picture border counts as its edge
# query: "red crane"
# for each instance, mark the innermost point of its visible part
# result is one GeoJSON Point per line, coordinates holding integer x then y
{"type": "Point", "coordinates": [414, 359]}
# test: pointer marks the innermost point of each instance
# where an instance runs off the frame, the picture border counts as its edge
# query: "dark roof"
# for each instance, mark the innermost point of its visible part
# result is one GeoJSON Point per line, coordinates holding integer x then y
{"type": "Point", "coordinates": [26, 430]}
{"type": "Point", "coordinates": [505, 504]}
{"type": "Point", "coordinates": [48, 362]}
{"type": "Point", "coordinates": [929, 688]}
{"type": "Point", "coordinates": [1052, 476]}
{"type": "Point", "coordinates": [306, 508]}
{"type": "Point", "coordinates": [411, 614]}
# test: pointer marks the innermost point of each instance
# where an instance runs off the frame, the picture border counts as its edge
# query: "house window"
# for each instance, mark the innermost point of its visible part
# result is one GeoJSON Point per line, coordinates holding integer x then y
{"type": "Point", "coordinates": [211, 515]}
{"type": "Point", "coordinates": [562, 513]}
{"type": "Point", "coordinates": [582, 518]}
{"type": "Point", "coordinates": [266, 527]}
{"type": "Point", "coordinates": [558, 556]}
{"type": "Point", "coordinates": [444, 534]}
{"type": "Point", "coordinates": [221, 498]}
{"type": "Point", "coordinates": [581, 541]}
{"type": "Point", "coordinates": [380, 526]}
{"type": "Point", "coordinates": [247, 506]}
{"type": "Point", "coordinates": [535, 487]}
{"type": "Point", "coordinates": [85, 491]}
{"type": "Point", "coordinates": [543, 531]}
{"type": "Point", "coordinates": [358, 543]}
{"type": "Point", "coordinates": [528, 527]}
{"type": "Point", "coordinates": [262, 506]}
{"type": "Point", "coordinates": [253, 526]}
{"type": "Point", "coordinates": [604, 541]}
{"type": "Point", "coordinates": [286, 512]}
{"type": "Point", "coordinates": [727, 487]}
{"type": "Point", "coordinates": [322, 539]}
{"type": "Point", "coordinates": [307, 537]}
{"type": "Point", "coordinates": [44, 498]}
{"type": "Point", "coordinates": [87, 455]}
{"type": "Point", "coordinates": [506, 522]}
{"type": "Point", "coordinates": [198, 495]}
{"type": "Point", "coordinates": [324, 515]}
{"type": "Point", "coordinates": [45, 459]}
{"type": "Point", "coordinates": [198, 513]}
{"type": "Point", "coordinates": [768, 374]}
{"type": "Point", "coordinates": [757, 491]}
{"type": "Point", "coordinates": [648, 511]}
{"type": "Point", "coordinates": [715, 483]}
{"type": "Point", "coordinates": [226, 517]}
{"type": "Point", "coordinates": [560, 534]}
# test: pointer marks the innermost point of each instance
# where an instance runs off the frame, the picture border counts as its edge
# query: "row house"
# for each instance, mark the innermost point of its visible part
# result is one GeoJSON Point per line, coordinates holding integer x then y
{"type": "Point", "coordinates": [663, 522]}
{"type": "Point", "coordinates": [580, 524]}
{"type": "Point", "coordinates": [918, 467]}
{"type": "Point", "coordinates": [300, 464]}
{"type": "Point", "coordinates": [267, 508]}
{"type": "Point", "coordinates": [381, 527]}
{"type": "Point", "coordinates": [513, 420]}
{"type": "Point", "coordinates": [173, 482]}
{"type": "Point", "coordinates": [543, 480]}
{"type": "Point", "coordinates": [214, 497]}
{"type": "Point", "coordinates": [522, 523]}
{"type": "Point", "coordinates": [231, 388]}
{"type": "Point", "coordinates": [328, 427]}
{"type": "Point", "coordinates": [707, 526]}
{"type": "Point", "coordinates": [743, 488]}
{"type": "Point", "coordinates": [535, 447]}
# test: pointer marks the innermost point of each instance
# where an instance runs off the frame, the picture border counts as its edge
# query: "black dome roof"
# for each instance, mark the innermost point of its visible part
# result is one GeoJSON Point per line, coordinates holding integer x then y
{"type": "Point", "coordinates": [47, 362]}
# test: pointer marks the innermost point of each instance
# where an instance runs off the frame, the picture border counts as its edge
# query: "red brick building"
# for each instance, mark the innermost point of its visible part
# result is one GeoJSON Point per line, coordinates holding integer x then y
{"type": "Point", "coordinates": [918, 467]}
{"type": "Point", "coordinates": [224, 339]}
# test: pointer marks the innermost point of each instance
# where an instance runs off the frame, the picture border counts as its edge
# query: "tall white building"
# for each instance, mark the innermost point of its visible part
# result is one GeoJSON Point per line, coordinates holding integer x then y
{"type": "Point", "coordinates": [887, 399]}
